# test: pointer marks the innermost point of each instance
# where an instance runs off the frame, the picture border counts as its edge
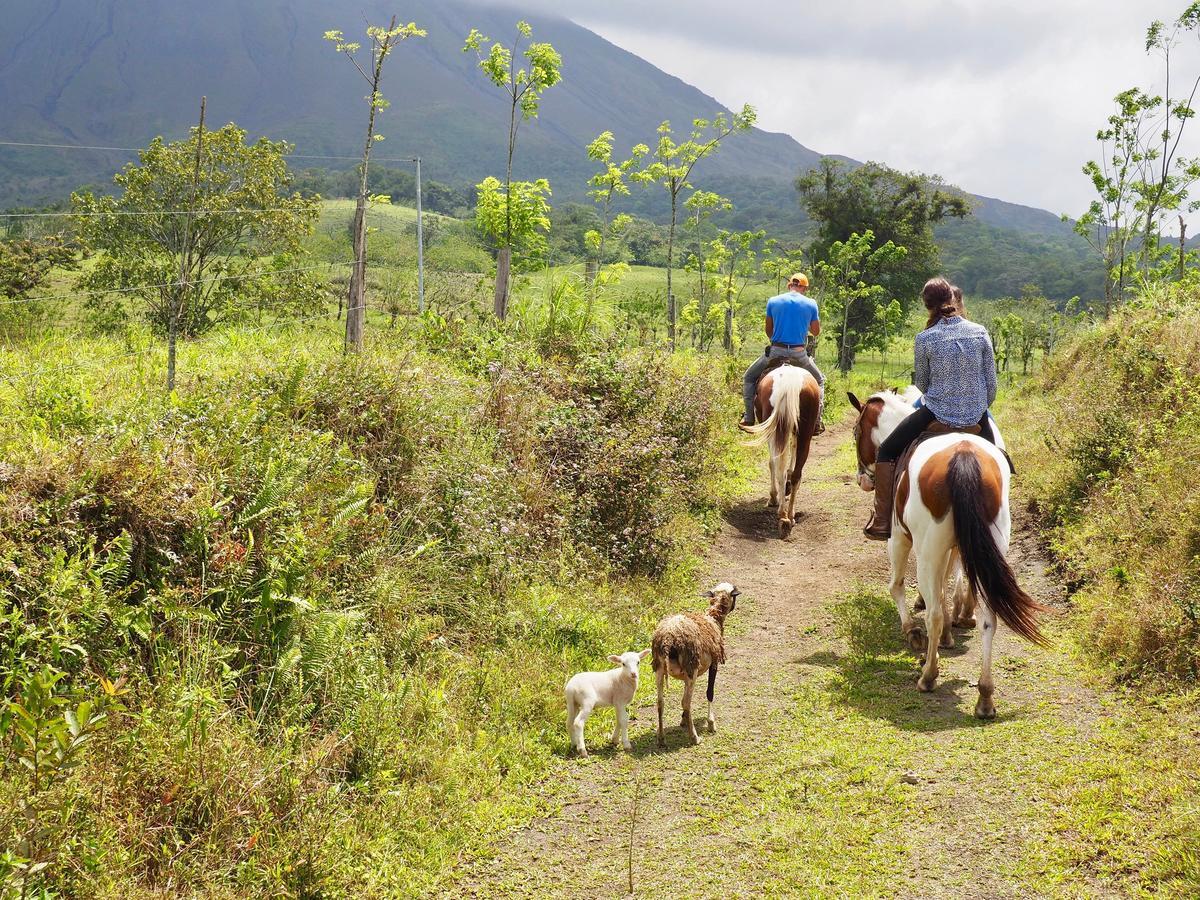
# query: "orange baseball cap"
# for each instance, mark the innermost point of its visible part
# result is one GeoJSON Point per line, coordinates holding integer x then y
{"type": "Point", "coordinates": [800, 277]}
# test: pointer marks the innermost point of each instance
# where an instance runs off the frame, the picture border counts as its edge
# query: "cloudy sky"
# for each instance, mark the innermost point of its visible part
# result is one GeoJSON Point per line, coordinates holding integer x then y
{"type": "Point", "coordinates": [1003, 98]}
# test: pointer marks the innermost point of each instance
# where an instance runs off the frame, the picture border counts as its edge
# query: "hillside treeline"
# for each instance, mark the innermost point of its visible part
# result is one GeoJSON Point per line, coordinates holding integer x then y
{"type": "Point", "coordinates": [986, 260]}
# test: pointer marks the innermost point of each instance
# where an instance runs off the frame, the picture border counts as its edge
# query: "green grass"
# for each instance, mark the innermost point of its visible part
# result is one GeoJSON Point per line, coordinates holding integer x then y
{"type": "Point", "coordinates": [1110, 429]}
{"type": "Point", "coordinates": [344, 591]}
{"type": "Point", "coordinates": [860, 781]}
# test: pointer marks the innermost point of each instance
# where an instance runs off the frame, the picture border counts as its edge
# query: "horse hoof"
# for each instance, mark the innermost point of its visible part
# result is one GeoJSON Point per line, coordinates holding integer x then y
{"type": "Point", "coordinates": [985, 710]}
{"type": "Point", "coordinates": [947, 643]}
{"type": "Point", "coordinates": [695, 739]}
{"type": "Point", "coordinates": [785, 529]}
{"type": "Point", "coordinates": [919, 606]}
{"type": "Point", "coordinates": [965, 623]}
{"type": "Point", "coordinates": [712, 727]}
{"type": "Point", "coordinates": [917, 639]}
{"type": "Point", "coordinates": [925, 686]}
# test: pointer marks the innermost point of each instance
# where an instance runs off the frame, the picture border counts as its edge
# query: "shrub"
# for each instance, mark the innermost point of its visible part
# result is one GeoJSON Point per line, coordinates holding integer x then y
{"type": "Point", "coordinates": [343, 592]}
{"type": "Point", "coordinates": [1110, 463]}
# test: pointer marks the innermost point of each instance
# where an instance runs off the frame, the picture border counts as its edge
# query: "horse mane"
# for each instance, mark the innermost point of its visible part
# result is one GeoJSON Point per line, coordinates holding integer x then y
{"type": "Point", "coordinates": [897, 406]}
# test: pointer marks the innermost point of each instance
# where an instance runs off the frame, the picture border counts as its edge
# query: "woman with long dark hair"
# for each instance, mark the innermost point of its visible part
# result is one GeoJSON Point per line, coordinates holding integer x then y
{"type": "Point", "coordinates": [954, 365]}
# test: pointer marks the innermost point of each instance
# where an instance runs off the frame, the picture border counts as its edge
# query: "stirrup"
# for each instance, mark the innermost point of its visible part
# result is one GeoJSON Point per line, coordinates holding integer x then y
{"type": "Point", "coordinates": [878, 533]}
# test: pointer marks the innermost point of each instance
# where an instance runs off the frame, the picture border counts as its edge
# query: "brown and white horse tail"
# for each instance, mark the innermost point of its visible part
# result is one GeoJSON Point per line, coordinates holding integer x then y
{"type": "Point", "coordinates": [986, 569]}
{"type": "Point", "coordinates": [784, 420]}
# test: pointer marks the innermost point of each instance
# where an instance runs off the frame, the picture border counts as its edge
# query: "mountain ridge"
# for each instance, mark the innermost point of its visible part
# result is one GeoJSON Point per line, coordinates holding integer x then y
{"type": "Point", "coordinates": [147, 61]}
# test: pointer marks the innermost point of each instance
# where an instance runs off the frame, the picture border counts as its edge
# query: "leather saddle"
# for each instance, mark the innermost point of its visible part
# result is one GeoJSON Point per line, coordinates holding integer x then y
{"type": "Point", "coordinates": [778, 362]}
{"type": "Point", "coordinates": [938, 428]}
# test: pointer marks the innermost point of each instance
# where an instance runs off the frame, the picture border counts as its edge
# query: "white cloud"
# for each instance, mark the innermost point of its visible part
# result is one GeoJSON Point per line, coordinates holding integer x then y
{"type": "Point", "coordinates": [1003, 99]}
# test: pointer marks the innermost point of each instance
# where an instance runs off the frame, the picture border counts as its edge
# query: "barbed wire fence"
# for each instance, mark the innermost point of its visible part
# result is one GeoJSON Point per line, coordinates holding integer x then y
{"type": "Point", "coordinates": [16, 224]}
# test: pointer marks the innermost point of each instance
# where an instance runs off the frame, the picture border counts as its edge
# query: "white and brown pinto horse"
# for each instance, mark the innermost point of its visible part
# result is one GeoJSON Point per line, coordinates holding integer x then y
{"type": "Point", "coordinates": [786, 404]}
{"type": "Point", "coordinates": [951, 507]}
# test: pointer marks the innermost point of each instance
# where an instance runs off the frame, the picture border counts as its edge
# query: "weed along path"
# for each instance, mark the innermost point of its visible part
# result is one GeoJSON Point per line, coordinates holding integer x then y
{"type": "Point", "coordinates": [831, 776]}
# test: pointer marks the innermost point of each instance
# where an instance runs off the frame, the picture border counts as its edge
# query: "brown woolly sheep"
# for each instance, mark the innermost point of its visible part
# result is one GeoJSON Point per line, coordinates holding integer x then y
{"type": "Point", "coordinates": [686, 644]}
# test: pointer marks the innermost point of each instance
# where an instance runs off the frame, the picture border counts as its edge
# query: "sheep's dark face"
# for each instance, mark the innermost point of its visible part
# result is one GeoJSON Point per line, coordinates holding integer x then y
{"type": "Point", "coordinates": [723, 597]}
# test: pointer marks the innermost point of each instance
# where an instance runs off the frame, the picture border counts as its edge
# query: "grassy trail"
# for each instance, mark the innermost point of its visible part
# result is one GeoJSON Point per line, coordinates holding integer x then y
{"type": "Point", "coordinates": [831, 776]}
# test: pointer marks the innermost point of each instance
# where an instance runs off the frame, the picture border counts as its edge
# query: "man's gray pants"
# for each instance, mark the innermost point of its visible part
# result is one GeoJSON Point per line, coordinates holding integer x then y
{"type": "Point", "coordinates": [798, 355]}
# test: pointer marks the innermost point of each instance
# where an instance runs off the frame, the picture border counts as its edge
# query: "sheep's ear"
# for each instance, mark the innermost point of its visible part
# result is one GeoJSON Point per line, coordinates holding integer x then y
{"type": "Point", "coordinates": [854, 401]}
{"type": "Point", "coordinates": [735, 593]}
{"type": "Point", "coordinates": [615, 660]}
{"type": "Point", "coordinates": [644, 653]}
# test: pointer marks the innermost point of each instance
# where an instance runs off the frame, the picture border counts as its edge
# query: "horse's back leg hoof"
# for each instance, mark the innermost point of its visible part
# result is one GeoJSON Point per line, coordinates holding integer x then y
{"type": "Point", "coordinates": [925, 685]}
{"type": "Point", "coordinates": [917, 639]}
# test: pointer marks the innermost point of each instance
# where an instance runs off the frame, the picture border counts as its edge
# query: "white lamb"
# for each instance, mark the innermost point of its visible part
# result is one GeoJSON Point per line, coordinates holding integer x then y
{"type": "Point", "coordinates": [616, 688]}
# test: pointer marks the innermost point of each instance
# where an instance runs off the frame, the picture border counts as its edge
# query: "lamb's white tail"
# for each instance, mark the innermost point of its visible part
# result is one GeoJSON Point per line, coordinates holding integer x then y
{"type": "Point", "coordinates": [784, 419]}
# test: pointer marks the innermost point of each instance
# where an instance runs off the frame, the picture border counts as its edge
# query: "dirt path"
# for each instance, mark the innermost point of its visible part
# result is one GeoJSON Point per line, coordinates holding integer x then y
{"type": "Point", "coordinates": [829, 774]}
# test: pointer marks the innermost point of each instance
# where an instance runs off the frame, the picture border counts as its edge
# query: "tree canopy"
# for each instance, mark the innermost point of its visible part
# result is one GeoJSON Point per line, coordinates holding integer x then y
{"type": "Point", "coordinates": [897, 207]}
{"type": "Point", "coordinates": [204, 244]}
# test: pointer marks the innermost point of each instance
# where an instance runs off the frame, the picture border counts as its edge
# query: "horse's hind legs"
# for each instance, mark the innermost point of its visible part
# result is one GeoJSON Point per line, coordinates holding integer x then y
{"type": "Point", "coordinates": [899, 547]}
{"type": "Point", "coordinates": [931, 576]}
{"type": "Point", "coordinates": [985, 708]}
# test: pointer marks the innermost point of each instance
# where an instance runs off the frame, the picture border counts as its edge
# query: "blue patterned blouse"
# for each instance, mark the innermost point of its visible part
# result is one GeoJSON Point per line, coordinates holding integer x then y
{"type": "Point", "coordinates": [955, 366]}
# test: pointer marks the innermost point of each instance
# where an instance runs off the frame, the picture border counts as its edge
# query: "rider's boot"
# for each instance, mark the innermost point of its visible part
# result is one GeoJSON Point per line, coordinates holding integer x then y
{"type": "Point", "coordinates": [880, 526]}
{"type": "Point", "coordinates": [820, 416]}
{"type": "Point", "coordinates": [747, 417]}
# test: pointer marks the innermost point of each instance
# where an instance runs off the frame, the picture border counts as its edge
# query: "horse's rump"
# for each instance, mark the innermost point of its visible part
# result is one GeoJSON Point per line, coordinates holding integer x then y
{"type": "Point", "coordinates": [789, 396]}
{"type": "Point", "coordinates": [966, 480]}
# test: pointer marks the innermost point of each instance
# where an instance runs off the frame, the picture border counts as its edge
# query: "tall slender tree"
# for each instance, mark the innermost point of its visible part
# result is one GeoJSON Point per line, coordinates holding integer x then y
{"type": "Point", "coordinates": [383, 42]}
{"type": "Point", "coordinates": [524, 87]}
{"type": "Point", "coordinates": [671, 168]}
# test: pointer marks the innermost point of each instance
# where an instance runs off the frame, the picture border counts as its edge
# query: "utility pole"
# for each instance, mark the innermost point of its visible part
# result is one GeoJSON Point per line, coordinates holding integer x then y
{"type": "Point", "coordinates": [185, 258]}
{"type": "Point", "coordinates": [420, 245]}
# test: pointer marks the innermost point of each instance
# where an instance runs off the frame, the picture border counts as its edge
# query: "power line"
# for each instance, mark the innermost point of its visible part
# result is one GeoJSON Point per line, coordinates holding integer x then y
{"type": "Point", "coordinates": [147, 287]}
{"type": "Point", "coordinates": [158, 212]}
{"type": "Point", "coordinates": [140, 149]}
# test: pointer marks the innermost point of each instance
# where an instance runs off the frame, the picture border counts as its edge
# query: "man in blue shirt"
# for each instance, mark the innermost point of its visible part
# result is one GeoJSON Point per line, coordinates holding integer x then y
{"type": "Point", "coordinates": [791, 317]}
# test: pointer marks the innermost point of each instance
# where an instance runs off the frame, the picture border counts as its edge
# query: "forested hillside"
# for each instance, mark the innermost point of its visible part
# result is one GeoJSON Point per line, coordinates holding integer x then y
{"type": "Point", "coordinates": [118, 73]}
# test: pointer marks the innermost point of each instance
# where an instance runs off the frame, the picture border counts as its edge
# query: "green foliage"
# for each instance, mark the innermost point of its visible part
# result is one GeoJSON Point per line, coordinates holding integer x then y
{"type": "Point", "coordinates": [670, 167]}
{"type": "Point", "coordinates": [46, 733]}
{"type": "Point", "coordinates": [517, 216]}
{"type": "Point", "coordinates": [523, 204]}
{"type": "Point", "coordinates": [865, 317]}
{"type": "Point", "coordinates": [607, 185]}
{"type": "Point", "coordinates": [25, 266]}
{"type": "Point", "coordinates": [897, 207]}
{"type": "Point", "coordinates": [172, 247]}
{"type": "Point", "coordinates": [1110, 450]}
{"type": "Point", "coordinates": [344, 591]}
{"type": "Point", "coordinates": [524, 85]}
{"type": "Point", "coordinates": [865, 620]}
{"type": "Point", "coordinates": [1142, 177]}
